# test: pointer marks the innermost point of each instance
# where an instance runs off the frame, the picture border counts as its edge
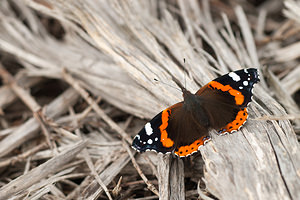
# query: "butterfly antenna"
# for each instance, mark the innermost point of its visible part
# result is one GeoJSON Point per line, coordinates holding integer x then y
{"type": "Point", "coordinates": [184, 71]}
{"type": "Point", "coordinates": [166, 84]}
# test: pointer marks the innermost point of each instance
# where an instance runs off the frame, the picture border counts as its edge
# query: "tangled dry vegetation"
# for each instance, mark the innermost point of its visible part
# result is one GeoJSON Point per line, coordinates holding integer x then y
{"type": "Point", "coordinates": [77, 84]}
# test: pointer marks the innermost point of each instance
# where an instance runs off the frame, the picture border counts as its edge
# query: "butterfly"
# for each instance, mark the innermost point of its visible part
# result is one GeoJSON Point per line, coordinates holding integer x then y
{"type": "Point", "coordinates": [184, 127]}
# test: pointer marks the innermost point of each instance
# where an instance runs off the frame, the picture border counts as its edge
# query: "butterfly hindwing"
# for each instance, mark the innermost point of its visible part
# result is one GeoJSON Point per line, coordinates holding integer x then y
{"type": "Point", "coordinates": [188, 129]}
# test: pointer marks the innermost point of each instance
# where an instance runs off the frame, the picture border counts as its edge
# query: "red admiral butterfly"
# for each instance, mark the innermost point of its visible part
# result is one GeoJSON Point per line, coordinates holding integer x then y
{"type": "Point", "coordinates": [183, 127]}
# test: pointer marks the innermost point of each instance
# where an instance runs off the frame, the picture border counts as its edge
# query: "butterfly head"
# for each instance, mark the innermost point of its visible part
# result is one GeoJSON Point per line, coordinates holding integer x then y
{"type": "Point", "coordinates": [185, 93]}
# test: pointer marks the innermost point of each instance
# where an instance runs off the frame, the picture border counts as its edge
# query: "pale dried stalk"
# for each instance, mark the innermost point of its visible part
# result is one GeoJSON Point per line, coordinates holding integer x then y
{"type": "Point", "coordinates": [291, 82]}
{"type": "Point", "coordinates": [87, 156]}
{"type": "Point", "coordinates": [95, 174]}
{"type": "Point", "coordinates": [22, 94]}
{"type": "Point", "coordinates": [150, 186]}
{"type": "Point", "coordinates": [40, 172]}
{"type": "Point", "coordinates": [110, 122]}
{"type": "Point", "coordinates": [170, 177]}
{"type": "Point", "coordinates": [95, 106]}
{"type": "Point", "coordinates": [283, 97]}
{"type": "Point", "coordinates": [27, 99]}
{"type": "Point", "coordinates": [92, 191]}
{"type": "Point", "coordinates": [292, 9]}
{"type": "Point", "coordinates": [23, 156]}
{"type": "Point", "coordinates": [283, 117]}
{"type": "Point", "coordinates": [134, 58]}
{"type": "Point", "coordinates": [29, 129]}
{"type": "Point", "coordinates": [10, 96]}
{"type": "Point", "coordinates": [163, 168]}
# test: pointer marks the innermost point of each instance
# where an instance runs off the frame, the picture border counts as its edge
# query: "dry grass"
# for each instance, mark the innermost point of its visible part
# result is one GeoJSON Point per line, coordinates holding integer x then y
{"type": "Point", "coordinates": [77, 76]}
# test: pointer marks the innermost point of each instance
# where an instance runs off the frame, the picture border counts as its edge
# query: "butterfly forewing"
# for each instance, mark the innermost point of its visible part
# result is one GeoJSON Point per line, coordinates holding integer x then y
{"type": "Point", "coordinates": [238, 84]}
{"type": "Point", "coordinates": [151, 137]}
{"type": "Point", "coordinates": [229, 93]}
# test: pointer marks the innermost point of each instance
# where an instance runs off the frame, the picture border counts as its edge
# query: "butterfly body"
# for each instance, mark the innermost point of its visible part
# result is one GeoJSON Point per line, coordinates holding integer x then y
{"type": "Point", "coordinates": [183, 127]}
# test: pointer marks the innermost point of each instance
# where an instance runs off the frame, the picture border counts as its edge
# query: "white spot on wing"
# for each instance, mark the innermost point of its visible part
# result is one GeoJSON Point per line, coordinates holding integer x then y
{"type": "Point", "coordinates": [149, 141]}
{"type": "Point", "coordinates": [240, 87]}
{"type": "Point", "coordinates": [234, 76]}
{"type": "Point", "coordinates": [245, 70]}
{"type": "Point", "coordinates": [148, 129]}
{"type": "Point", "coordinates": [156, 139]}
{"type": "Point", "coordinates": [138, 137]}
{"type": "Point", "coordinates": [245, 83]}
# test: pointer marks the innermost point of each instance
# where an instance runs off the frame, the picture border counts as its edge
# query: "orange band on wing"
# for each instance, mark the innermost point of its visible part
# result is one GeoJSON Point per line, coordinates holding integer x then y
{"type": "Point", "coordinates": [189, 149]}
{"type": "Point", "coordinates": [166, 142]}
{"type": "Point", "coordinates": [239, 98]}
{"type": "Point", "coordinates": [240, 119]}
